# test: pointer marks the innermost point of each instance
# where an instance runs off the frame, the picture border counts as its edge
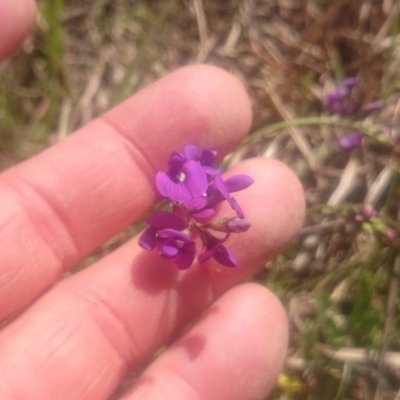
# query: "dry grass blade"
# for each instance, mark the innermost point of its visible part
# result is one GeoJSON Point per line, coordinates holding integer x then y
{"type": "Point", "coordinates": [363, 356]}
{"type": "Point", "coordinates": [295, 132]}
{"type": "Point", "coordinates": [201, 22]}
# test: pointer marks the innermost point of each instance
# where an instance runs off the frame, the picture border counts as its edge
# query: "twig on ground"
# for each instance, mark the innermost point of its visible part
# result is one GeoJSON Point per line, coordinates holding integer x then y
{"type": "Point", "coordinates": [380, 186]}
{"type": "Point", "coordinates": [295, 132]}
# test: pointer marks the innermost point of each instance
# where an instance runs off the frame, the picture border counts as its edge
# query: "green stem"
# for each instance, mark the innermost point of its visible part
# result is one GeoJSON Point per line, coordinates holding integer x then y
{"type": "Point", "coordinates": [309, 121]}
{"type": "Point", "coordinates": [266, 130]}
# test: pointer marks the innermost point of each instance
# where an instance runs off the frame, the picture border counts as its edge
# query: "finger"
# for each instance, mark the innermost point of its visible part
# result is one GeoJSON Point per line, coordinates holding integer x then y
{"type": "Point", "coordinates": [81, 338]}
{"type": "Point", "coordinates": [64, 203]}
{"type": "Point", "coordinates": [235, 351]}
{"type": "Point", "coordinates": [16, 21]}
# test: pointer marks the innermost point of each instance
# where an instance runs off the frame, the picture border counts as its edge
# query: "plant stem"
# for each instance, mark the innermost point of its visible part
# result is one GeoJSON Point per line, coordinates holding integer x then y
{"type": "Point", "coordinates": [309, 121]}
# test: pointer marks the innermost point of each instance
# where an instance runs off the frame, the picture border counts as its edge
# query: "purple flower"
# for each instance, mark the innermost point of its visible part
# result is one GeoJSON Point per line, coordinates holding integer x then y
{"type": "Point", "coordinates": [156, 222]}
{"type": "Point", "coordinates": [176, 245]}
{"type": "Point", "coordinates": [350, 140]}
{"type": "Point", "coordinates": [222, 191]}
{"type": "Point", "coordinates": [215, 249]}
{"type": "Point", "coordinates": [203, 207]}
{"type": "Point", "coordinates": [194, 187]}
{"type": "Point", "coordinates": [390, 235]}
{"type": "Point", "coordinates": [339, 100]}
{"type": "Point", "coordinates": [364, 214]}
{"type": "Point", "coordinates": [198, 208]}
{"type": "Point", "coordinates": [206, 158]}
{"type": "Point", "coordinates": [184, 180]}
{"type": "Point", "coordinates": [164, 233]}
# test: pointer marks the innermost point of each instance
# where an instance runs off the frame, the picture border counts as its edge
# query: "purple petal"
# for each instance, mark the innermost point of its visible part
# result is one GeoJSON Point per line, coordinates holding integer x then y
{"type": "Point", "coordinates": [337, 98]}
{"type": "Point", "coordinates": [235, 206]}
{"type": "Point", "coordinates": [350, 82]}
{"type": "Point", "coordinates": [349, 109]}
{"type": "Point", "coordinates": [175, 235]}
{"type": "Point", "coordinates": [147, 239]}
{"type": "Point", "coordinates": [163, 220]}
{"type": "Point", "coordinates": [210, 171]}
{"type": "Point", "coordinates": [175, 163]}
{"type": "Point", "coordinates": [214, 197]}
{"type": "Point", "coordinates": [195, 178]}
{"type": "Point", "coordinates": [203, 257]}
{"type": "Point", "coordinates": [337, 95]}
{"type": "Point", "coordinates": [190, 182]}
{"type": "Point", "coordinates": [208, 156]}
{"type": "Point", "coordinates": [192, 152]}
{"type": "Point", "coordinates": [168, 187]}
{"type": "Point", "coordinates": [185, 257]}
{"type": "Point", "coordinates": [169, 250]}
{"type": "Point", "coordinates": [331, 98]}
{"type": "Point", "coordinates": [205, 214]}
{"type": "Point", "coordinates": [221, 187]}
{"type": "Point", "coordinates": [197, 208]}
{"type": "Point", "coordinates": [350, 140]}
{"type": "Point", "coordinates": [225, 257]}
{"type": "Point", "coordinates": [238, 182]}
{"type": "Point", "coordinates": [195, 204]}
{"type": "Point", "coordinates": [238, 226]}
{"type": "Point", "coordinates": [337, 108]}
{"type": "Point", "coordinates": [221, 254]}
{"type": "Point", "coordinates": [211, 243]}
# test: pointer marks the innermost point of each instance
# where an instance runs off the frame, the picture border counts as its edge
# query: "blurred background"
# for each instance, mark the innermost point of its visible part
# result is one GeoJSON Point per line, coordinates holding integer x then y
{"type": "Point", "coordinates": [324, 81]}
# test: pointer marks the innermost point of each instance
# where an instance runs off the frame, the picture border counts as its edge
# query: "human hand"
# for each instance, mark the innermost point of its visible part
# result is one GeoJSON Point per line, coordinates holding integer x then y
{"type": "Point", "coordinates": [79, 337]}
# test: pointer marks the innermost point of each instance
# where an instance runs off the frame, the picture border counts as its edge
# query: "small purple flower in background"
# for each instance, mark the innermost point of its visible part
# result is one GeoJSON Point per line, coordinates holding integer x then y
{"type": "Point", "coordinates": [194, 187]}
{"type": "Point", "coordinates": [364, 214]}
{"type": "Point", "coordinates": [340, 101]}
{"type": "Point", "coordinates": [368, 211]}
{"type": "Point", "coordinates": [350, 141]}
{"type": "Point", "coordinates": [390, 235]}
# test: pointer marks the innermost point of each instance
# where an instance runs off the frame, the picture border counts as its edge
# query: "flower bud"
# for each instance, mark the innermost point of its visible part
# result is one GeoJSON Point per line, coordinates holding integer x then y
{"type": "Point", "coordinates": [238, 225]}
{"type": "Point", "coordinates": [229, 225]}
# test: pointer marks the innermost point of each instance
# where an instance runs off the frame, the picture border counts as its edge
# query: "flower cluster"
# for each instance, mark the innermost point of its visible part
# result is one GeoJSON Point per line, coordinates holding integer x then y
{"type": "Point", "coordinates": [350, 140]}
{"type": "Point", "coordinates": [194, 188]}
{"type": "Point", "coordinates": [367, 216]}
{"type": "Point", "coordinates": [341, 102]}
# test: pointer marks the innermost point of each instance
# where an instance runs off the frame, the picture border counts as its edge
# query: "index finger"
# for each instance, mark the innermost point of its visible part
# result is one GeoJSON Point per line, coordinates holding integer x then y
{"type": "Point", "coordinates": [61, 205]}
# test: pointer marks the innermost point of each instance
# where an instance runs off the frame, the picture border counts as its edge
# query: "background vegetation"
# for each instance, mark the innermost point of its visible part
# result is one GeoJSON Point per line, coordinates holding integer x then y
{"type": "Point", "coordinates": [340, 280]}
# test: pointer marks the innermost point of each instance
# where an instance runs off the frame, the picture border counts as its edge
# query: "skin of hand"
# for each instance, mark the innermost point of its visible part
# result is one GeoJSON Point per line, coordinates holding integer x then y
{"type": "Point", "coordinates": [79, 337]}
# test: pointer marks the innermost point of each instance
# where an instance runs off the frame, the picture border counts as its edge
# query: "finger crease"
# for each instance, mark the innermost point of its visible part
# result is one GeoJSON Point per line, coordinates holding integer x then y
{"type": "Point", "coordinates": [67, 252]}
{"type": "Point", "coordinates": [137, 153]}
{"type": "Point", "coordinates": [112, 327]}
